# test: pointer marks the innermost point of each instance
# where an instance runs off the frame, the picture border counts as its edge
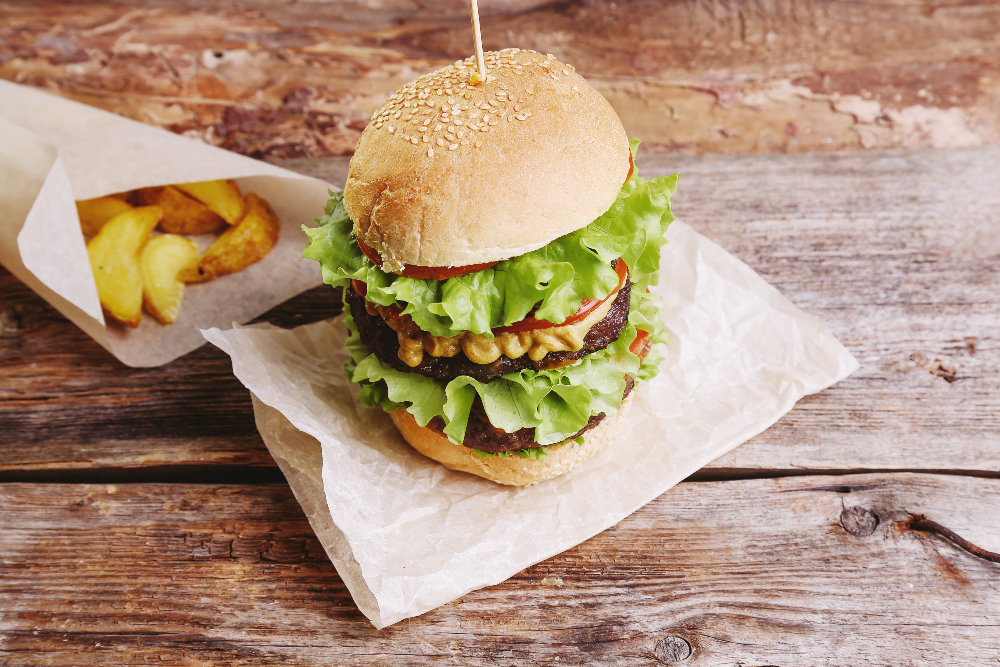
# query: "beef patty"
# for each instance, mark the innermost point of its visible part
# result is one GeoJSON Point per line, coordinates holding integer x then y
{"type": "Point", "coordinates": [482, 435]}
{"type": "Point", "coordinates": [384, 343]}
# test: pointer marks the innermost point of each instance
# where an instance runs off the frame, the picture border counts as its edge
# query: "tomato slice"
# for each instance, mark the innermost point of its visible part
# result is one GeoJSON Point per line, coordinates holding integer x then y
{"type": "Point", "coordinates": [640, 346]}
{"type": "Point", "coordinates": [586, 307]}
{"type": "Point", "coordinates": [435, 272]}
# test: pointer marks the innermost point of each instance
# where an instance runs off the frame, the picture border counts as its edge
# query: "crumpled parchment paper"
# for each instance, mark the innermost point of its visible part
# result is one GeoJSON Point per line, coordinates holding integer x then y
{"type": "Point", "coordinates": [408, 535]}
{"type": "Point", "coordinates": [54, 151]}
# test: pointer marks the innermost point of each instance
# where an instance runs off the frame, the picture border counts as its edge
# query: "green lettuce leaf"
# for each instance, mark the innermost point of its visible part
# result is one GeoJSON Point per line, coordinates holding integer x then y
{"type": "Point", "coordinates": [557, 276]}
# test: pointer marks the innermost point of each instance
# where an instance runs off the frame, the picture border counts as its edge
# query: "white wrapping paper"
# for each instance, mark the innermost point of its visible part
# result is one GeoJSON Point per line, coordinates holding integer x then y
{"type": "Point", "coordinates": [408, 535]}
{"type": "Point", "coordinates": [54, 151]}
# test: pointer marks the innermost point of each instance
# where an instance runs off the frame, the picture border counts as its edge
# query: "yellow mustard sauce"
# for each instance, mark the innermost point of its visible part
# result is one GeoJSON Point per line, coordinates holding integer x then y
{"type": "Point", "coordinates": [413, 342]}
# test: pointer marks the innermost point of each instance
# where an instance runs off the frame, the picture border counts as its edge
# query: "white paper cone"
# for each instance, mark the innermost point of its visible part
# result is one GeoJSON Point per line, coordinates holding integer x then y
{"type": "Point", "coordinates": [54, 151]}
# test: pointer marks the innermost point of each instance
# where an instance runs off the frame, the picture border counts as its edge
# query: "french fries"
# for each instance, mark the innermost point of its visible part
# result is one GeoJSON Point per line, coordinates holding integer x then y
{"type": "Point", "coordinates": [223, 197]}
{"type": "Point", "coordinates": [114, 259]}
{"type": "Point", "coordinates": [181, 214]}
{"type": "Point", "coordinates": [239, 246]}
{"type": "Point", "coordinates": [163, 258]}
{"type": "Point", "coordinates": [134, 270]}
{"type": "Point", "coordinates": [95, 212]}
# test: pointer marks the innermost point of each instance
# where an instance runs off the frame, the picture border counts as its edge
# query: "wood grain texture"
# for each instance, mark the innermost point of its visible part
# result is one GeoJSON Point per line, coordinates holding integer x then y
{"type": "Point", "coordinates": [288, 78]}
{"type": "Point", "coordinates": [66, 403]}
{"type": "Point", "coordinates": [758, 572]}
{"type": "Point", "coordinates": [896, 252]}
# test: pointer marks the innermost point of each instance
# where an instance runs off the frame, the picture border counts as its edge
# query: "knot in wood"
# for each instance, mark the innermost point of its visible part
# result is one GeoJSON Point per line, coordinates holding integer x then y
{"type": "Point", "coordinates": [672, 649]}
{"type": "Point", "coordinates": [11, 322]}
{"type": "Point", "coordinates": [859, 521]}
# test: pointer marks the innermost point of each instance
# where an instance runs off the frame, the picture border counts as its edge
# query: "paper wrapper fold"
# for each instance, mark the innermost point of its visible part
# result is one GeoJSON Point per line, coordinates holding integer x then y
{"type": "Point", "coordinates": [54, 151]}
{"type": "Point", "coordinates": [408, 535]}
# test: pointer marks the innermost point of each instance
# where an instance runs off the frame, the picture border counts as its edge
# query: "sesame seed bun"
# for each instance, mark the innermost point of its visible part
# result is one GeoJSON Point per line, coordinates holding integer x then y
{"type": "Point", "coordinates": [451, 174]}
{"type": "Point", "coordinates": [512, 470]}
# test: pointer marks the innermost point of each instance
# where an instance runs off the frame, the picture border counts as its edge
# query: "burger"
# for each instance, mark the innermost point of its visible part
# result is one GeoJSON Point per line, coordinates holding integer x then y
{"type": "Point", "coordinates": [495, 245]}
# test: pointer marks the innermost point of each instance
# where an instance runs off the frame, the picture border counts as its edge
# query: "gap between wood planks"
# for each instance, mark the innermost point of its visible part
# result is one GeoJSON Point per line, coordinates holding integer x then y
{"type": "Point", "coordinates": [225, 475]}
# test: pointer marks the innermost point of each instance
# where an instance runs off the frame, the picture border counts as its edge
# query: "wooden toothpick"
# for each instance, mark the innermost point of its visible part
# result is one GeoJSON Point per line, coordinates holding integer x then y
{"type": "Point", "coordinates": [478, 39]}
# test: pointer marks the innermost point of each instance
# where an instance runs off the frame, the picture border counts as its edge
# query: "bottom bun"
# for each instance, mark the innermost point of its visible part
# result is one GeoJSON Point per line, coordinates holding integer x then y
{"type": "Point", "coordinates": [512, 470]}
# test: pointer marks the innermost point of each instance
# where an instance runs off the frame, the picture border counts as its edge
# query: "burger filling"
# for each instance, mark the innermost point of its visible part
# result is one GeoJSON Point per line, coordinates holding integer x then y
{"type": "Point", "coordinates": [519, 355]}
{"type": "Point", "coordinates": [383, 340]}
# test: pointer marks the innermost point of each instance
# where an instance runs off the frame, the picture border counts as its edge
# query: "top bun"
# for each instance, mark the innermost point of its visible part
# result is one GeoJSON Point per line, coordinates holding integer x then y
{"type": "Point", "coordinates": [451, 174]}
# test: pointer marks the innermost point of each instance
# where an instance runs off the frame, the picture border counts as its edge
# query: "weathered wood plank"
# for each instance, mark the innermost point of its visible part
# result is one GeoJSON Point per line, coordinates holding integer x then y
{"type": "Point", "coordinates": [758, 572]}
{"type": "Point", "coordinates": [897, 252]}
{"type": "Point", "coordinates": [66, 403]}
{"type": "Point", "coordinates": [289, 79]}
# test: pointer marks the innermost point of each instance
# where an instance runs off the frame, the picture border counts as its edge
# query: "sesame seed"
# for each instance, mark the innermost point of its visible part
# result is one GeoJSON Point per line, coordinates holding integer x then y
{"type": "Point", "coordinates": [426, 138]}
{"type": "Point", "coordinates": [458, 121]}
{"type": "Point", "coordinates": [414, 140]}
{"type": "Point", "coordinates": [406, 103]}
{"type": "Point", "coordinates": [520, 116]}
{"type": "Point", "coordinates": [397, 114]}
{"type": "Point", "coordinates": [493, 121]}
{"type": "Point", "coordinates": [479, 143]}
{"type": "Point", "coordinates": [460, 133]}
{"type": "Point", "coordinates": [430, 152]}
{"type": "Point", "coordinates": [452, 147]}
{"type": "Point", "coordinates": [451, 128]}
{"type": "Point", "coordinates": [440, 141]}
{"type": "Point", "coordinates": [465, 142]}
{"type": "Point", "coordinates": [438, 127]}
{"type": "Point", "coordinates": [391, 129]}
{"type": "Point", "coordinates": [517, 107]}
{"type": "Point", "coordinates": [510, 118]}
{"type": "Point", "coordinates": [426, 122]}
{"type": "Point", "coordinates": [484, 128]}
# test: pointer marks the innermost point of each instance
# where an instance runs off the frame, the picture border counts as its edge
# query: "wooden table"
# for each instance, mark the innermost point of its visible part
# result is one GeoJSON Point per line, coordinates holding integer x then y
{"type": "Point", "coordinates": [143, 521]}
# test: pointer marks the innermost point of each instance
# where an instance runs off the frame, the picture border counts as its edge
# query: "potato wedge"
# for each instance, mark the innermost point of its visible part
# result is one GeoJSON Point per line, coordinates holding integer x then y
{"type": "Point", "coordinates": [223, 197]}
{"type": "Point", "coordinates": [181, 214]}
{"type": "Point", "coordinates": [95, 212]}
{"type": "Point", "coordinates": [240, 245]}
{"type": "Point", "coordinates": [162, 258]}
{"type": "Point", "coordinates": [114, 259]}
